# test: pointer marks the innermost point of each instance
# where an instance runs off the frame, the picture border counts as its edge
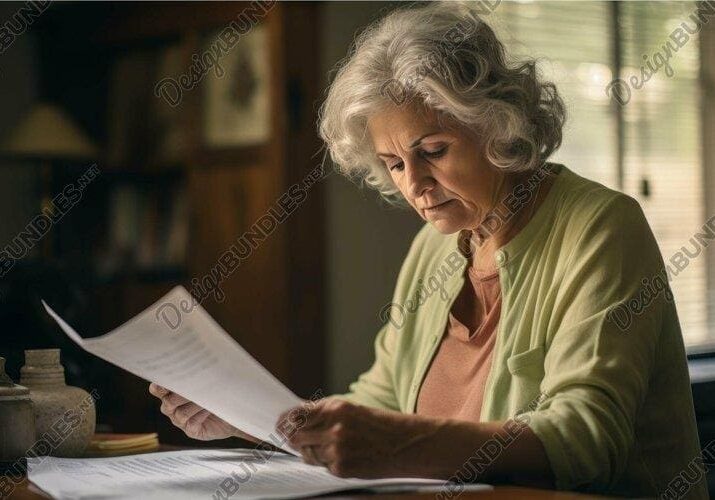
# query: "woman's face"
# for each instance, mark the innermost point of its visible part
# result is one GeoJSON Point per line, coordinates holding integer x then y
{"type": "Point", "coordinates": [439, 169]}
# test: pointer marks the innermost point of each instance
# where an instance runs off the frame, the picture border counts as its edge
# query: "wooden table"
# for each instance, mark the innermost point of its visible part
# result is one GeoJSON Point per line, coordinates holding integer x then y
{"type": "Point", "coordinates": [499, 493]}
{"type": "Point", "coordinates": [26, 491]}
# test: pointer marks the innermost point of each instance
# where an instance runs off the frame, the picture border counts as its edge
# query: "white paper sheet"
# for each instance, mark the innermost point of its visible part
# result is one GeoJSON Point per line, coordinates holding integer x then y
{"type": "Point", "coordinates": [197, 360]}
{"type": "Point", "coordinates": [191, 474]}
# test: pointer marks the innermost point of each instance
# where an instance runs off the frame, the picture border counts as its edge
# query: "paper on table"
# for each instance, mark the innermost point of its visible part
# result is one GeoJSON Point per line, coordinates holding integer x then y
{"type": "Point", "coordinates": [191, 474]}
{"type": "Point", "coordinates": [191, 355]}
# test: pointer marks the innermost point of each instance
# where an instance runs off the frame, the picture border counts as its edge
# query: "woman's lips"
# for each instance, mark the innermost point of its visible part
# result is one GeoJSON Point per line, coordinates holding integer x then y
{"type": "Point", "coordinates": [436, 208]}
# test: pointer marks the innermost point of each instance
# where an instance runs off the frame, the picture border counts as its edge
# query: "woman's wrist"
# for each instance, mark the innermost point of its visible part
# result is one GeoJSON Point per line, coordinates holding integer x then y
{"type": "Point", "coordinates": [493, 452]}
{"type": "Point", "coordinates": [431, 447]}
{"type": "Point", "coordinates": [439, 448]}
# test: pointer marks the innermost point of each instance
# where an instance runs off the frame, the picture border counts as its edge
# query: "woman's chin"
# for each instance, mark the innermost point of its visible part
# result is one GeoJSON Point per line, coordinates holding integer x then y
{"type": "Point", "coordinates": [447, 218]}
{"type": "Point", "coordinates": [445, 226]}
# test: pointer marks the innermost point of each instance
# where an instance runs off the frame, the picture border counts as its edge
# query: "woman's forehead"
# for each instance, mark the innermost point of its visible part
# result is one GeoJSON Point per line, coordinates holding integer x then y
{"type": "Point", "coordinates": [406, 125]}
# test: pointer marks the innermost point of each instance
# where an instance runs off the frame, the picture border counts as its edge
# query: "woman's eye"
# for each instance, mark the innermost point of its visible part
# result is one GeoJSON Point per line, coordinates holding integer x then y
{"type": "Point", "coordinates": [436, 153]}
{"type": "Point", "coordinates": [396, 166]}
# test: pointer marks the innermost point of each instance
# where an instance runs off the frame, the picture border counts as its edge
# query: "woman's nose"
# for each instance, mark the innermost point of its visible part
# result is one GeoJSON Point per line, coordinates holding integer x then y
{"type": "Point", "coordinates": [418, 178]}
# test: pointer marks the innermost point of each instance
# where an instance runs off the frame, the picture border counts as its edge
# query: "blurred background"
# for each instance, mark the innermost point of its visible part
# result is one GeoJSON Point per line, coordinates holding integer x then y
{"type": "Point", "coordinates": [196, 138]}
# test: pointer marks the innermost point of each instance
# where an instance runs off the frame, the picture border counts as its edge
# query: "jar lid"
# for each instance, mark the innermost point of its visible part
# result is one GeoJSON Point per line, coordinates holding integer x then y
{"type": "Point", "coordinates": [8, 389]}
{"type": "Point", "coordinates": [42, 357]}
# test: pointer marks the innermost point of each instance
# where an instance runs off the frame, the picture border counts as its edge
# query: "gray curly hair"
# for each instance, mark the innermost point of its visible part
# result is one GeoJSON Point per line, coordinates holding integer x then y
{"type": "Point", "coordinates": [448, 59]}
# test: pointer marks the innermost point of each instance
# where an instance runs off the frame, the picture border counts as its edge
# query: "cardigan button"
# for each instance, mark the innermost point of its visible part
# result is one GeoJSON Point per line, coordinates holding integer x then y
{"type": "Point", "coordinates": [501, 257]}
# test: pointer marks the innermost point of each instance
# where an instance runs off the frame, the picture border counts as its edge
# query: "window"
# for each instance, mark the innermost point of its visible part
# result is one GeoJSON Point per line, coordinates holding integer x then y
{"type": "Point", "coordinates": [650, 144]}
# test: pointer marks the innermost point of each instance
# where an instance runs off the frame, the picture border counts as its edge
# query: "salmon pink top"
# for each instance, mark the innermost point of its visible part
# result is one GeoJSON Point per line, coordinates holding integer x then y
{"type": "Point", "coordinates": [454, 384]}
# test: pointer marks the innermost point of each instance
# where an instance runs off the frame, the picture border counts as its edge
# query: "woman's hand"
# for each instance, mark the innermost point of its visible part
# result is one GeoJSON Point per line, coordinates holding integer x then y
{"type": "Point", "coordinates": [357, 441]}
{"type": "Point", "coordinates": [368, 443]}
{"type": "Point", "coordinates": [195, 421]}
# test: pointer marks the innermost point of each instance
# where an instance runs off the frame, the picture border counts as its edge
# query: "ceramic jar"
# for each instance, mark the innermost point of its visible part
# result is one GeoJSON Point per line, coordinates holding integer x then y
{"type": "Point", "coordinates": [64, 415]}
{"type": "Point", "coordinates": [17, 420]}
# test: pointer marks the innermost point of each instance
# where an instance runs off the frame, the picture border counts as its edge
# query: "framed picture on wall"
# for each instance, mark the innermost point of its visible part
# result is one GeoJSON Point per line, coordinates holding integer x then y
{"type": "Point", "coordinates": [236, 97]}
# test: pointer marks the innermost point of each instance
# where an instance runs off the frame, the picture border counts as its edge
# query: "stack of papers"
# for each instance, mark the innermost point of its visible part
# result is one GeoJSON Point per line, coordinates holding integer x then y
{"type": "Point", "coordinates": [191, 474]}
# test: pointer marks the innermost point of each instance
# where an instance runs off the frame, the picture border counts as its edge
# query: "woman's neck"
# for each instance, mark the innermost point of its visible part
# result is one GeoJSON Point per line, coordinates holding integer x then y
{"type": "Point", "coordinates": [500, 226]}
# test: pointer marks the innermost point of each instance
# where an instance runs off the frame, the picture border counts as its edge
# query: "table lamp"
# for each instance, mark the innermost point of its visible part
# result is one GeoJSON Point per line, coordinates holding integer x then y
{"type": "Point", "coordinates": [46, 135]}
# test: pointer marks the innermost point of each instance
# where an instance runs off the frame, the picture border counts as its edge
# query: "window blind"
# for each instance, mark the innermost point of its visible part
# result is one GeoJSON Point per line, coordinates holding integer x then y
{"type": "Point", "coordinates": [574, 43]}
{"type": "Point", "coordinates": [662, 145]}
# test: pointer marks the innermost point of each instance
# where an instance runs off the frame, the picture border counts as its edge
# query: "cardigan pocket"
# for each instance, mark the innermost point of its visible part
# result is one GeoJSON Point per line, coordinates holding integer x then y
{"type": "Point", "coordinates": [528, 364]}
{"type": "Point", "coordinates": [527, 371]}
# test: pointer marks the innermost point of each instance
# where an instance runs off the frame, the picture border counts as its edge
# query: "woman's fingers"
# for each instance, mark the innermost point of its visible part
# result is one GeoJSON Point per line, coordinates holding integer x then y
{"type": "Point", "coordinates": [194, 425]}
{"type": "Point", "coordinates": [177, 408]}
{"type": "Point", "coordinates": [157, 390]}
{"type": "Point", "coordinates": [188, 416]}
{"type": "Point", "coordinates": [322, 455]}
{"type": "Point", "coordinates": [309, 455]}
{"type": "Point", "coordinates": [183, 413]}
{"type": "Point", "coordinates": [309, 438]}
{"type": "Point", "coordinates": [306, 416]}
{"type": "Point", "coordinates": [171, 402]}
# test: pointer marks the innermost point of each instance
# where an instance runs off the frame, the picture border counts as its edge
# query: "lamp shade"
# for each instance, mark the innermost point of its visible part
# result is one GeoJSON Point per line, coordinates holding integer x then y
{"type": "Point", "coordinates": [47, 133]}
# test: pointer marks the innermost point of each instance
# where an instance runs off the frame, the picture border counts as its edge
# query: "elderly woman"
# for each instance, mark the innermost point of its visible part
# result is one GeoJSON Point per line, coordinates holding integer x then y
{"type": "Point", "coordinates": [531, 338]}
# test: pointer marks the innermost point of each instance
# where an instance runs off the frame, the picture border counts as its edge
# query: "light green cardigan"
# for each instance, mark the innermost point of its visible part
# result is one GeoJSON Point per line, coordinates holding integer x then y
{"type": "Point", "coordinates": [616, 412]}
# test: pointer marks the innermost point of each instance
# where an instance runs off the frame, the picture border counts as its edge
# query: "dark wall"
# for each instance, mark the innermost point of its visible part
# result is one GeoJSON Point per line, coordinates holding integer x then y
{"type": "Point", "coordinates": [18, 90]}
